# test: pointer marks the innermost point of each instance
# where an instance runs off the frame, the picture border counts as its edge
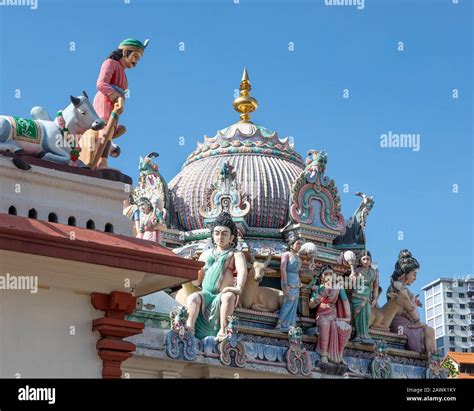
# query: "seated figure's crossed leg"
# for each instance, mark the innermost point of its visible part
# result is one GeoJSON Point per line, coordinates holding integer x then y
{"type": "Point", "coordinates": [194, 302]}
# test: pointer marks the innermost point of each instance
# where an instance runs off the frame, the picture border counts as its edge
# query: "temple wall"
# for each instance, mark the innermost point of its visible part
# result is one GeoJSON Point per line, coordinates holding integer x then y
{"type": "Point", "coordinates": [265, 356]}
{"type": "Point", "coordinates": [64, 194]}
{"type": "Point", "coordinates": [48, 335]}
{"type": "Point", "coordinates": [142, 366]}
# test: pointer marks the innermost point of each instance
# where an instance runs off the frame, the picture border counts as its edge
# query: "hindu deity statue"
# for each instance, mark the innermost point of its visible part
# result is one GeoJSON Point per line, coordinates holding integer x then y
{"type": "Point", "coordinates": [149, 219]}
{"type": "Point", "coordinates": [354, 232]}
{"type": "Point", "coordinates": [290, 284]}
{"type": "Point", "coordinates": [364, 298]}
{"type": "Point", "coordinates": [421, 337]}
{"type": "Point", "coordinates": [210, 308]}
{"type": "Point", "coordinates": [333, 316]}
{"type": "Point", "coordinates": [147, 205]}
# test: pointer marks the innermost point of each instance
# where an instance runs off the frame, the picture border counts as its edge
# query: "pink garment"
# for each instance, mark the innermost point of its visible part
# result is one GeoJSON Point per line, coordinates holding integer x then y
{"type": "Point", "coordinates": [112, 73]}
{"type": "Point", "coordinates": [415, 333]}
{"type": "Point", "coordinates": [333, 333]}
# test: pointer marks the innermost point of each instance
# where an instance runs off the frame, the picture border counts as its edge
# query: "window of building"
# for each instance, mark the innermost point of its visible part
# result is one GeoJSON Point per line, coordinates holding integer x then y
{"type": "Point", "coordinates": [431, 322]}
{"type": "Point", "coordinates": [438, 309]}
{"type": "Point", "coordinates": [438, 320]}
{"type": "Point", "coordinates": [462, 306]}
{"type": "Point", "coordinates": [461, 295]}
{"type": "Point", "coordinates": [451, 327]}
{"type": "Point", "coordinates": [451, 339]}
{"type": "Point", "coordinates": [464, 339]}
{"type": "Point", "coordinates": [430, 313]}
{"type": "Point", "coordinates": [449, 295]}
{"type": "Point", "coordinates": [437, 288]}
{"type": "Point", "coordinates": [437, 299]}
{"type": "Point", "coordinates": [450, 306]}
{"type": "Point", "coordinates": [450, 316]}
{"type": "Point", "coordinates": [462, 317]}
{"type": "Point", "coordinates": [439, 331]}
{"type": "Point", "coordinates": [429, 292]}
{"type": "Point", "coordinates": [467, 368]}
{"type": "Point", "coordinates": [429, 302]}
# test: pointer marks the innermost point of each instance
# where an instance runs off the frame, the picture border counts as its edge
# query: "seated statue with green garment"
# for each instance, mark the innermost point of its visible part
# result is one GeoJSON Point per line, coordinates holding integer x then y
{"type": "Point", "coordinates": [209, 308]}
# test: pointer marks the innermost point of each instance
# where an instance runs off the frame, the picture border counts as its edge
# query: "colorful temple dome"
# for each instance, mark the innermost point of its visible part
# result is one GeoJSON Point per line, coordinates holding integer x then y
{"type": "Point", "coordinates": [265, 166]}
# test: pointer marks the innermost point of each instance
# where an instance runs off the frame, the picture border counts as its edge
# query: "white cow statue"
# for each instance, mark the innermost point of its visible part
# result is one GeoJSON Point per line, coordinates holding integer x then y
{"type": "Point", "coordinates": [53, 138]}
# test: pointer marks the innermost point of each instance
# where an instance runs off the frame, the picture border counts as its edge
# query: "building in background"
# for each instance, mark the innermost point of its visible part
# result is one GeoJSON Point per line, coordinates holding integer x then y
{"type": "Point", "coordinates": [463, 363]}
{"type": "Point", "coordinates": [449, 309]}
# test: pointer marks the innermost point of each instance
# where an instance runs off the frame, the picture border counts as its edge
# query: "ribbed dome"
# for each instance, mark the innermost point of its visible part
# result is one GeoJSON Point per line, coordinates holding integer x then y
{"type": "Point", "coordinates": [265, 167]}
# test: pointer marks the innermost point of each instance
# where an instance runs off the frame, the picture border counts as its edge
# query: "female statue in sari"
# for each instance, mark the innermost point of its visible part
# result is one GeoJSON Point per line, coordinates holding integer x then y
{"type": "Point", "coordinates": [332, 318]}
{"type": "Point", "coordinates": [149, 219]}
{"type": "Point", "coordinates": [421, 338]}
{"type": "Point", "coordinates": [290, 284]}
{"type": "Point", "coordinates": [364, 298]}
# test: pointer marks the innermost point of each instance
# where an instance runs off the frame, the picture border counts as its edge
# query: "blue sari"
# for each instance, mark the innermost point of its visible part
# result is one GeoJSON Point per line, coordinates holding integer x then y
{"type": "Point", "coordinates": [290, 302]}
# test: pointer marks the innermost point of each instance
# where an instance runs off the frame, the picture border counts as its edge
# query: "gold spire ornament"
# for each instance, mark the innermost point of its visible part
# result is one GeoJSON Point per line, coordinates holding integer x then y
{"type": "Point", "coordinates": [245, 104]}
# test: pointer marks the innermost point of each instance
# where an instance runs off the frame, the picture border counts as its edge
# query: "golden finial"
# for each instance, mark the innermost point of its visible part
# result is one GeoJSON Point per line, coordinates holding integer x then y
{"type": "Point", "coordinates": [245, 104]}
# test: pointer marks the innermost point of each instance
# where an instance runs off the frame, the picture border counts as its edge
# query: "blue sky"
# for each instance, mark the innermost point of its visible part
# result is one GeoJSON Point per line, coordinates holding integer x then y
{"type": "Point", "coordinates": [189, 93]}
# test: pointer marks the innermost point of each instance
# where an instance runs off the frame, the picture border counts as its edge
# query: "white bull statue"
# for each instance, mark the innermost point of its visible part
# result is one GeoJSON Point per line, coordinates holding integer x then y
{"type": "Point", "coordinates": [53, 138]}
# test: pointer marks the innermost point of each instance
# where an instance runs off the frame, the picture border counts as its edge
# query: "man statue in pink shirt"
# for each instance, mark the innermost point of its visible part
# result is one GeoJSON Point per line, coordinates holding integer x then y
{"type": "Point", "coordinates": [112, 84]}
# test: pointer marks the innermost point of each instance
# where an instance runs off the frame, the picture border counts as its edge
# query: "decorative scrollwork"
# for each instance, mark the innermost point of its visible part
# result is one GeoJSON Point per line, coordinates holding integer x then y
{"type": "Point", "coordinates": [180, 341]}
{"type": "Point", "coordinates": [380, 367]}
{"type": "Point", "coordinates": [435, 369]}
{"type": "Point", "coordinates": [232, 350]}
{"type": "Point", "coordinates": [314, 197]}
{"type": "Point", "coordinates": [297, 358]}
{"type": "Point", "coordinates": [225, 196]}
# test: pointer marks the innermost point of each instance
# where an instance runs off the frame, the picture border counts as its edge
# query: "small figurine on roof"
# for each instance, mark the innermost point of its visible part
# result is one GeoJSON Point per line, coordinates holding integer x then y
{"type": "Point", "coordinates": [149, 219]}
{"type": "Point", "coordinates": [147, 205]}
{"type": "Point", "coordinates": [146, 166]}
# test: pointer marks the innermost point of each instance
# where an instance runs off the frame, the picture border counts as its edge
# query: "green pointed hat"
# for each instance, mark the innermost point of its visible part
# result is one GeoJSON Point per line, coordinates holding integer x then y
{"type": "Point", "coordinates": [134, 45]}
